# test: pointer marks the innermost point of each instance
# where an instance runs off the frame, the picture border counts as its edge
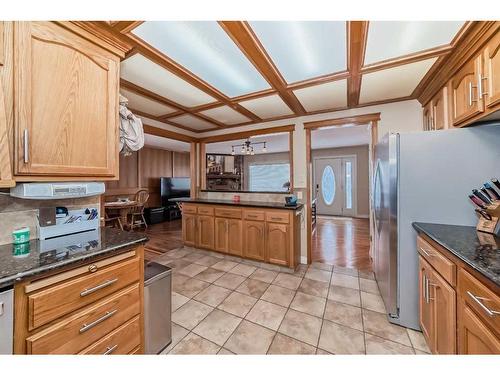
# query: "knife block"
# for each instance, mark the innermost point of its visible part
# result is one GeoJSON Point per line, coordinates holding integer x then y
{"type": "Point", "coordinates": [490, 226]}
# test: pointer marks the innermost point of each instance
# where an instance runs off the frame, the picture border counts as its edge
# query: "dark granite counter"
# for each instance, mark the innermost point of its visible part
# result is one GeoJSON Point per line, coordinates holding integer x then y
{"type": "Point", "coordinates": [482, 254]}
{"type": "Point", "coordinates": [239, 204]}
{"type": "Point", "coordinates": [35, 257]}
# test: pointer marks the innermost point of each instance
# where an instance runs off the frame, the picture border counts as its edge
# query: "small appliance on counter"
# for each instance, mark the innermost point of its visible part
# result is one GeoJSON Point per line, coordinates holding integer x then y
{"type": "Point", "coordinates": [291, 201]}
{"type": "Point", "coordinates": [57, 190]}
{"type": "Point", "coordinates": [486, 201]}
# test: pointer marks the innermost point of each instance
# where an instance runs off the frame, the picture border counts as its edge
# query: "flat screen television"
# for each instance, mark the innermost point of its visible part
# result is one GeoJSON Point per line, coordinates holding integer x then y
{"type": "Point", "coordinates": [174, 187]}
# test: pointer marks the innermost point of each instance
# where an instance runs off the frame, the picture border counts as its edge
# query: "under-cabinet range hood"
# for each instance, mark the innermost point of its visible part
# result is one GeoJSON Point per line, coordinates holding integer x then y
{"type": "Point", "coordinates": [57, 190]}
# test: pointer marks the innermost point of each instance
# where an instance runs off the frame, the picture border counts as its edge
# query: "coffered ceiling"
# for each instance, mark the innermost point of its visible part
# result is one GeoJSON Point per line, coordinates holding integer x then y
{"type": "Point", "coordinates": [207, 75]}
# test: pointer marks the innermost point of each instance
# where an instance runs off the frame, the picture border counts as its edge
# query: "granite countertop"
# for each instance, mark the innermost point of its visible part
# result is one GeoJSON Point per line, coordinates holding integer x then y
{"type": "Point", "coordinates": [35, 257]}
{"type": "Point", "coordinates": [479, 250]}
{"type": "Point", "coordinates": [239, 204]}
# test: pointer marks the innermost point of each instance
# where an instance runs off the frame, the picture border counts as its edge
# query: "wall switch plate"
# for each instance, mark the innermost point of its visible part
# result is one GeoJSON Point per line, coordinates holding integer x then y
{"type": "Point", "coordinates": [299, 195]}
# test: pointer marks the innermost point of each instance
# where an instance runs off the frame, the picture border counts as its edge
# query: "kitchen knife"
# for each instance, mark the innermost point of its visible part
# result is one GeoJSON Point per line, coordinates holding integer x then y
{"type": "Point", "coordinates": [487, 194]}
{"type": "Point", "coordinates": [481, 196]}
{"type": "Point", "coordinates": [477, 202]}
{"type": "Point", "coordinates": [491, 191]}
{"type": "Point", "coordinates": [483, 213]}
{"type": "Point", "coordinates": [496, 183]}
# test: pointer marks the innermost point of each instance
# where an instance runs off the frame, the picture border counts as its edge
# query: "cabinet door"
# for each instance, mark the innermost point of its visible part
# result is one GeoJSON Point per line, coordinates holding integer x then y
{"type": "Point", "coordinates": [440, 110]}
{"type": "Point", "coordinates": [427, 117]}
{"type": "Point", "coordinates": [277, 243]}
{"type": "Point", "coordinates": [254, 246]}
{"type": "Point", "coordinates": [234, 237]}
{"type": "Point", "coordinates": [491, 81]}
{"type": "Point", "coordinates": [189, 229]}
{"type": "Point", "coordinates": [474, 336]}
{"type": "Point", "coordinates": [221, 234]}
{"type": "Point", "coordinates": [425, 305]}
{"type": "Point", "coordinates": [206, 232]}
{"type": "Point", "coordinates": [465, 98]}
{"type": "Point", "coordinates": [66, 107]}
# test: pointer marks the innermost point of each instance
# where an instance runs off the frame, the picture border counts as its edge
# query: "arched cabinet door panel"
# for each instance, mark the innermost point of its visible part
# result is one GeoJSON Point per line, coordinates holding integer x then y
{"type": "Point", "coordinates": [66, 107]}
{"type": "Point", "coordinates": [491, 79]}
{"type": "Point", "coordinates": [278, 243]}
{"type": "Point", "coordinates": [254, 243]}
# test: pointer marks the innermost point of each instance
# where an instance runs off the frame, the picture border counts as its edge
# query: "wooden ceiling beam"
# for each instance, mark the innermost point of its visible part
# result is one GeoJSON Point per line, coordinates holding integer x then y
{"type": "Point", "coordinates": [159, 119]}
{"type": "Point", "coordinates": [318, 80]}
{"type": "Point", "coordinates": [356, 120]}
{"type": "Point", "coordinates": [241, 33]}
{"type": "Point", "coordinates": [357, 32]}
{"type": "Point", "coordinates": [247, 134]}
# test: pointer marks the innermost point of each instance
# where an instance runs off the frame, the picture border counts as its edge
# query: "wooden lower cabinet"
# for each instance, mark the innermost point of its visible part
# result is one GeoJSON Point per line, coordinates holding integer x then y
{"type": "Point", "coordinates": [474, 336]}
{"type": "Point", "coordinates": [221, 234]}
{"type": "Point", "coordinates": [278, 243]}
{"type": "Point", "coordinates": [189, 229]}
{"type": "Point", "coordinates": [425, 307]}
{"type": "Point", "coordinates": [443, 298]}
{"type": "Point", "coordinates": [254, 243]}
{"type": "Point", "coordinates": [228, 236]}
{"type": "Point", "coordinates": [205, 232]}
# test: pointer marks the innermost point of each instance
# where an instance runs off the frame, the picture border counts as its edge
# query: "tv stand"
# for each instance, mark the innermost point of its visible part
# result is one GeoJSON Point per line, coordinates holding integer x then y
{"type": "Point", "coordinates": [172, 212]}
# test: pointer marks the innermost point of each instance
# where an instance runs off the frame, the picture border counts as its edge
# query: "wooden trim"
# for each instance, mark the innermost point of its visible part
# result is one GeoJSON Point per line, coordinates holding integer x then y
{"type": "Point", "coordinates": [290, 155]}
{"type": "Point", "coordinates": [5, 155]}
{"type": "Point", "coordinates": [357, 33]}
{"type": "Point", "coordinates": [153, 130]}
{"type": "Point", "coordinates": [242, 34]}
{"type": "Point", "coordinates": [192, 169]}
{"type": "Point", "coordinates": [125, 26]}
{"type": "Point", "coordinates": [338, 76]}
{"type": "Point", "coordinates": [357, 120]}
{"type": "Point", "coordinates": [308, 198]}
{"type": "Point", "coordinates": [159, 119]}
{"type": "Point", "coordinates": [203, 166]}
{"type": "Point", "coordinates": [247, 134]}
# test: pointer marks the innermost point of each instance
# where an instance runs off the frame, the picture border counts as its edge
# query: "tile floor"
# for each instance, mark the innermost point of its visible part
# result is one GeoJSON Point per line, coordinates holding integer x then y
{"type": "Point", "coordinates": [226, 305]}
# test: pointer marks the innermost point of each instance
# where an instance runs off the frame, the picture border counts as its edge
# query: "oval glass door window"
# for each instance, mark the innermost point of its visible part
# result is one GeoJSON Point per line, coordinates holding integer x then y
{"type": "Point", "coordinates": [328, 185]}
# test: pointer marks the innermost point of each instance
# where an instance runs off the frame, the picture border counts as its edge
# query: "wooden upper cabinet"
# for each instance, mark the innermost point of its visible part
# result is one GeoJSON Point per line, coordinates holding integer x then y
{"type": "Point", "coordinates": [278, 243]}
{"type": "Point", "coordinates": [439, 105]}
{"type": "Point", "coordinates": [427, 117]}
{"type": "Point", "coordinates": [464, 92]}
{"type": "Point", "coordinates": [206, 232]}
{"type": "Point", "coordinates": [254, 245]}
{"type": "Point", "coordinates": [491, 76]}
{"type": "Point", "coordinates": [66, 104]}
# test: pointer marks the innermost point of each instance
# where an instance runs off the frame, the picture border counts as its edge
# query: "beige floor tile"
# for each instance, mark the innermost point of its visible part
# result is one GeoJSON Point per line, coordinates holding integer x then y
{"type": "Point", "coordinates": [277, 294]}
{"type": "Point", "coordinates": [178, 300]}
{"type": "Point", "coordinates": [232, 258]}
{"type": "Point", "coordinates": [367, 275]}
{"type": "Point", "coordinates": [314, 288]}
{"type": "Point", "coordinates": [300, 326]}
{"type": "Point", "coordinates": [193, 257]}
{"type": "Point", "coordinates": [190, 314]}
{"type": "Point", "coordinates": [194, 344]}
{"type": "Point", "coordinates": [176, 264]}
{"type": "Point", "coordinates": [250, 338]}
{"type": "Point", "coordinates": [207, 260]}
{"type": "Point", "coordinates": [264, 275]}
{"type": "Point", "coordinates": [243, 270]}
{"type": "Point", "coordinates": [322, 352]}
{"type": "Point", "coordinates": [192, 269]}
{"type": "Point", "coordinates": [372, 302]}
{"type": "Point", "coordinates": [346, 271]}
{"type": "Point", "coordinates": [178, 333]}
{"type": "Point", "coordinates": [419, 352]}
{"type": "Point", "coordinates": [217, 326]}
{"type": "Point", "coordinates": [188, 287]}
{"type": "Point", "coordinates": [252, 287]}
{"type": "Point", "coordinates": [308, 304]}
{"type": "Point", "coordinates": [347, 315]}
{"type": "Point", "coordinates": [377, 345]}
{"type": "Point", "coordinates": [287, 281]}
{"type": "Point", "coordinates": [216, 254]}
{"type": "Point", "coordinates": [177, 253]}
{"type": "Point", "coordinates": [224, 351]}
{"type": "Point", "coordinates": [209, 275]}
{"type": "Point", "coordinates": [346, 281]}
{"type": "Point", "coordinates": [270, 267]}
{"type": "Point", "coordinates": [267, 314]}
{"type": "Point", "coordinates": [344, 295]}
{"type": "Point", "coordinates": [417, 340]}
{"type": "Point", "coordinates": [377, 324]}
{"type": "Point", "coordinates": [225, 265]}
{"type": "Point", "coordinates": [238, 304]}
{"type": "Point", "coordinates": [229, 281]}
{"type": "Point", "coordinates": [213, 295]}
{"type": "Point", "coordinates": [322, 266]}
{"type": "Point", "coordinates": [317, 274]}
{"type": "Point", "coordinates": [338, 339]}
{"type": "Point", "coordinates": [369, 286]}
{"type": "Point", "coordinates": [286, 345]}
{"type": "Point", "coordinates": [301, 270]}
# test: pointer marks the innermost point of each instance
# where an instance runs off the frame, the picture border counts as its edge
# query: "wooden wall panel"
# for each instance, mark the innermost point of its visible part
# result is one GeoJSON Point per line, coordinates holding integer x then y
{"type": "Point", "coordinates": [180, 164]}
{"type": "Point", "coordinates": [128, 173]}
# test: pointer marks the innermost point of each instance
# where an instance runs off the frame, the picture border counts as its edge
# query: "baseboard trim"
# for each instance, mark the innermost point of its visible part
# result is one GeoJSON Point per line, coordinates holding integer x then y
{"type": "Point", "coordinates": [362, 216]}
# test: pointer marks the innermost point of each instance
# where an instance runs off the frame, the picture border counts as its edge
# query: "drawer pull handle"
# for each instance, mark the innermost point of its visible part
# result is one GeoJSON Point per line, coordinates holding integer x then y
{"type": "Point", "coordinates": [88, 291]}
{"type": "Point", "coordinates": [106, 316]}
{"type": "Point", "coordinates": [426, 253]}
{"type": "Point", "coordinates": [252, 216]}
{"type": "Point", "coordinates": [277, 218]}
{"type": "Point", "coordinates": [110, 350]}
{"type": "Point", "coordinates": [478, 300]}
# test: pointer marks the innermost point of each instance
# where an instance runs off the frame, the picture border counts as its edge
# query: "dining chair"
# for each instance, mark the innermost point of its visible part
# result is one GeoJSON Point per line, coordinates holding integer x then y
{"type": "Point", "coordinates": [141, 197]}
{"type": "Point", "coordinates": [112, 221]}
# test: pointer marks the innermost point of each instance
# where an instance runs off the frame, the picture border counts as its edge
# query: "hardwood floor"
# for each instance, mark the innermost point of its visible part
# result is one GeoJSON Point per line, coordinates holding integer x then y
{"type": "Point", "coordinates": [343, 242]}
{"type": "Point", "coordinates": [162, 238]}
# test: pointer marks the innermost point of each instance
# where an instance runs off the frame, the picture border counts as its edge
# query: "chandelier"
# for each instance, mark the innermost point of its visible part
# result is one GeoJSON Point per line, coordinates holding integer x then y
{"type": "Point", "coordinates": [247, 147]}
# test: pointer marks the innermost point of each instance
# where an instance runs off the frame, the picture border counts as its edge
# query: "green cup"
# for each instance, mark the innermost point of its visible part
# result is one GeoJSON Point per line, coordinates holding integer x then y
{"type": "Point", "coordinates": [21, 235]}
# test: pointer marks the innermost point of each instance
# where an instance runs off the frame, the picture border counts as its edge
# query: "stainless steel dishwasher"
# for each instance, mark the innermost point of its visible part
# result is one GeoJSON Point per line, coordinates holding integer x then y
{"type": "Point", "coordinates": [157, 307]}
{"type": "Point", "coordinates": [6, 320]}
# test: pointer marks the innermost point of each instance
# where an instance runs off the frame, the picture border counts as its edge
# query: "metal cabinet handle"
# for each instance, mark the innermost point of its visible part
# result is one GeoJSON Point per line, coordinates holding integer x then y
{"type": "Point", "coordinates": [480, 86]}
{"type": "Point", "coordinates": [26, 146]}
{"type": "Point", "coordinates": [478, 300]}
{"type": "Point", "coordinates": [471, 96]}
{"type": "Point", "coordinates": [427, 300]}
{"type": "Point", "coordinates": [276, 218]}
{"type": "Point", "coordinates": [106, 316]}
{"type": "Point", "coordinates": [426, 253]}
{"type": "Point", "coordinates": [88, 291]}
{"type": "Point", "coordinates": [110, 350]}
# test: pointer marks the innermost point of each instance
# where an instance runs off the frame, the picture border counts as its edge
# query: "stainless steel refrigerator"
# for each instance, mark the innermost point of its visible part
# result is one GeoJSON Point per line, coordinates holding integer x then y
{"type": "Point", "coordinates": [423, 176]}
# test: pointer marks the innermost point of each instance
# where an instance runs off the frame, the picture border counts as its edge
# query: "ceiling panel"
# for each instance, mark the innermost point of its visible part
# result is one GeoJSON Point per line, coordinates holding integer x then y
{"type": "Point", "coordinates": [146, 105]}
{"type": "Point", "coordinates": [205, 49]}
{"type": "Point", "coordinates": [145, 73]}
{"type": "Point", "coordinates": [192, 122]}
{"type": "Point", "coordinates": [166, 143]}
{"type": "Point", "coordinates": [393, 83]}
{"type": "Point", "coordinates": [391, 39]}
{"type": "Point", "coordinates": [328, 95]}
{"type": "Point", "coordinates": [304, 49]}
{"type": "Point", "coordinates": [267, 106]}
{"type": "Point", "coordinates": [226, 115]}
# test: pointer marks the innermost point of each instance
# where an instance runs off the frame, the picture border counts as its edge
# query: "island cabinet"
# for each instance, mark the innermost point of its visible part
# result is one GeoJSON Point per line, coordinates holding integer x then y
{"type": "Point", "coordinates": [262, 234]}
{"type": "Point", "coordinates": [459, 308]}
{"type": "Point", "coordinates": [95, 308]}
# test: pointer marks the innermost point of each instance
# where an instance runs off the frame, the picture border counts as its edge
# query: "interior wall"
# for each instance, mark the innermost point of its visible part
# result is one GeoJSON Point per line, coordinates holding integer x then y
{"type": "Point", "coordinates": [268, 158]}
{"type": "Point", "coordinates": [362, 172]}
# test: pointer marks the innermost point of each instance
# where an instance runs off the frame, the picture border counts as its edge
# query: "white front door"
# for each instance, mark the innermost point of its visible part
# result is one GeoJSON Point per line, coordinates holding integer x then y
{"type": "Point", "coordinates": [335, 186]}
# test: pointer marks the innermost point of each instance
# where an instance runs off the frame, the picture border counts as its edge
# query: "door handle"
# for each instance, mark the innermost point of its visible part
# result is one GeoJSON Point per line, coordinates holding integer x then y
{"type": "Point", "coordinates": [106, 316]}
{"type": "Point", "coordinates": [479, 300]}
{"type": "Point", "coordinates": [110, 350]}
{"type": "Point", "coordinates": [26, 146]}
{"type": "Point", "coordinates": [88, 291]}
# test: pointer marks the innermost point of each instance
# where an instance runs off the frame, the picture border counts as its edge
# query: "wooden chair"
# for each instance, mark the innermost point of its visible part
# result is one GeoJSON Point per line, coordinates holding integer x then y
{"type": "Point", "coordinates": [113, 221]}
{"type": "Point", "coordinates": [141, 197]}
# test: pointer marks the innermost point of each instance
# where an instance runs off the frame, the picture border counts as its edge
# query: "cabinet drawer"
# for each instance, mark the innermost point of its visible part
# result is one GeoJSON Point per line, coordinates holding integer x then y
{"type": "Point", "coordinates": [254, 215]}
{"type": "Point", "coordinates": [204, 210]}
{"type": "Point", "coordinates": [277, 217]}
{"type": "Point", "coordinates": [83, 328]}
{"type": "Point", "coordinates": [231, 213]}
{"type": "Point", "coordinates": [122, 340]}
{"type": "Point", "coordinates": [188, 208]}
{"type": "Point", "coordinates": [480, 298]}
{"type": "Point", "coordinates": [443, 265]}
{"type": "Point", "coordinates": [54, 302]}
